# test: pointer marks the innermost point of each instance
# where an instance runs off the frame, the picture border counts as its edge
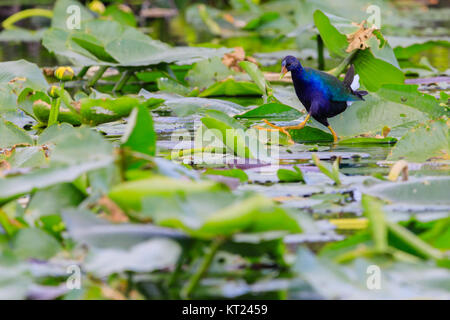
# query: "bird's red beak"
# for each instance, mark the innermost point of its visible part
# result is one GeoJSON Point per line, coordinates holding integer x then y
{"type": "Point", "coordinates": [283, 72]}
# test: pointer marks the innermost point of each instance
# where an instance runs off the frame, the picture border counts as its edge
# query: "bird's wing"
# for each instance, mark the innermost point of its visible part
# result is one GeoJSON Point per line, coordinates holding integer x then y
{"type": "Point", "coordinates": [333, 87]}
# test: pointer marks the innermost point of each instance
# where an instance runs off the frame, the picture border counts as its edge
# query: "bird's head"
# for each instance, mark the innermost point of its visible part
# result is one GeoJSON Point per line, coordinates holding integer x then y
{"type": "Point", "coordinates": [289, 63]}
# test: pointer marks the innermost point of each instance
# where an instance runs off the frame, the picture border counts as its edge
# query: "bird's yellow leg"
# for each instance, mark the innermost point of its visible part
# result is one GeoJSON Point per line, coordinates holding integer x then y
{"type": "Point", "coordinates": [274, 129]}
{"type": "Point", "coordinates": [284, 129]}
{"type": "Point", "coordinates": [300, 125]}
{"type": "Point", "coordinates": [335, 137]}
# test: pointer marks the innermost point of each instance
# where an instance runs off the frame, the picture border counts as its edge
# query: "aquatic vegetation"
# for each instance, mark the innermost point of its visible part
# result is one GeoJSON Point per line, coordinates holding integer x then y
{"type": "Point", "coordinates": [137, 162]}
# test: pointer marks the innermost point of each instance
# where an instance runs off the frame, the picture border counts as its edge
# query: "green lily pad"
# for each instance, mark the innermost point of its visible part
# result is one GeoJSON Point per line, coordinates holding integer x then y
{"type": "Point", "coordinates": [129, 195]}
{"type": "Point", "coordinates": [272, 110]}
{"type": "Point", "coordinates": [13, 135]}
{"type": "Point", "coordinates": [35, 243]}
{"type": "Point", "coordinates": [223, 215]}
{"type": "Point", "coordinates": [286, 175]}
{"type": "Point", "coordinates": [427, 141]}
{"type": "Point", "coordinates": [368, 140]}
{"type": "Point", "coordinates": [231, 87]}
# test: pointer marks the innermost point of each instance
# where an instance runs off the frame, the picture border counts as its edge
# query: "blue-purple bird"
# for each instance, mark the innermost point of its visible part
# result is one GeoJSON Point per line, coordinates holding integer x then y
{"type": "Point", "coordinates": [323, 95]}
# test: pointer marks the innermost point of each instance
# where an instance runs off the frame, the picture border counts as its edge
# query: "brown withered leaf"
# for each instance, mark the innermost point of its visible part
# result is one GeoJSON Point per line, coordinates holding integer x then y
{"type": "Point", "coordinates": [111, 293]}
{"type": "Point", "coordinates": [232, 20]}
{"type": "Point", "coordinates": [76, 105]}
{"type": "Point", "coordinates": [232, 59]}
{"type": "Point", "coordinates": [385, 131]}
{"type": "Point", "coordinates": [115, 213]}
{"type": "Point", "coordinates": [4, 165]}
{"type": "Point", "coordinates": [358, 39]}
{"type": "Point", "coordinates": [17, 79]}
{"type": "Point", "coordinates": [49, 72]}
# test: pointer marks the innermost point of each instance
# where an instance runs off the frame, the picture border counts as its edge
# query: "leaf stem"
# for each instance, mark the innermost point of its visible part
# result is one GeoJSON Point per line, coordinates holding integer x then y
{"type": "Point", "coordinates": [54, 112]}
{"type": "Point", "coordinates": [8, 24]}
{"type": "Point", "coordinates": [340, 68]}
{"type": "Point", "coordinates": [97, 76]}
{"type": "Point", "coordinates": [414, 241]}
{"type": "Point", "coordinates": [123, 80]}
{"type": "Point", "coordinates": [202, 270]}
{"type": "Point", "coordinates": [82, 72]}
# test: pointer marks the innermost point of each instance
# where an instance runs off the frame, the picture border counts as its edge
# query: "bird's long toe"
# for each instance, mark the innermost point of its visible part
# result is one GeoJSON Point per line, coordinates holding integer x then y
{"type": "Point", "coordinates": [274, 128]}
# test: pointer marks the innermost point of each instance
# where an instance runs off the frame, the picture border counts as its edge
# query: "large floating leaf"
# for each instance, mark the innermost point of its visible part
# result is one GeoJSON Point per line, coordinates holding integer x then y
{"type": "Point", "coordinates": [207, 72]}
{"type": "Point", "coordinates": [427, 141]}
{"type": "Point", "coordinates": [27, 73]}
{"type": "Point", "coordinates": [35, 243]}
{"type": "Point", "coordinates": [28, 157]}
{"type": "Point", "coordinates": [95, 36]}
{"type": "Point", "coordinates": [53, 200]}
{"type": "Point", "coordinates": [399, 280]}
{"type": "Point", "coordinates": [154, 254]}
{"type": "Point", "coordinates": [12, 135]}
{"type": "Point", "coordinates": [15, 77]}
{"type": "Point", "coordinates": [425, 191]}
{"type": "Point", "coordinates": [45, 177]}
{"type": "Point", "coordinates": [129, 195]}
{"type": "Point", "coordinates": [108, 42]}
{"type": "Point", "coordinates": [231, 87]}
{"type": "Point", "coordinates": [185, 106]}
{"type": "Point", "coordinates": [76, 151]}
{"type": "Point", "coordinates": [406, 47]}
{"type": "Point", "coordinates": [272, 110]}
{"type": "Point", "coordinates": [58, 42]}
{"type": "Point", "coordinates": [87, 228]}
{"type": "Point", "coordinates": [220, 215]}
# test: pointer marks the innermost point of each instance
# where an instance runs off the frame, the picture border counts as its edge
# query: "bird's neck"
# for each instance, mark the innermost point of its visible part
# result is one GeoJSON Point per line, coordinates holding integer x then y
{"type": "Point", "coordinates": [297, 73]}
{"type": "Point", "coordinates": [300, 84]}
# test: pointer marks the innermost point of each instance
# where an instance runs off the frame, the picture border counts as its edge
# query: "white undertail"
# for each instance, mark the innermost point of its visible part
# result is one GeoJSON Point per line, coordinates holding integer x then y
{"type": "Point", "coordinates": [354, 86]}
{"type": "Point", "coordinates": [355, 83]}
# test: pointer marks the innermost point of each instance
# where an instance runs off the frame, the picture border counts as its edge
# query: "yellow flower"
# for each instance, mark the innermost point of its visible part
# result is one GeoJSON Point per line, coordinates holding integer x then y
{"type": "Point", "coordinates": [64, 73]}
{"type": "Point", "coordinates": [53, 91]}
{"type": "Point", "coordinates": [97, 6]}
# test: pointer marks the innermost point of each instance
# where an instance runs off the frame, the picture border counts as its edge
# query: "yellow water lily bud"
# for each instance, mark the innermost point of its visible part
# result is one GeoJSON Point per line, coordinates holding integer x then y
{"type": "Point", "coordinates": [97, 6]}
{"type": "Point", "coordinates": [53, 92]}
{"type": "Point", "coordinates": [64, 73]}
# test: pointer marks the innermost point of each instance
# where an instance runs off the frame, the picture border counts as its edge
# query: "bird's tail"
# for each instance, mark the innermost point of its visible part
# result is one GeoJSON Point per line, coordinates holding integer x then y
{"type": "Point", "coordinates": [351, 81]}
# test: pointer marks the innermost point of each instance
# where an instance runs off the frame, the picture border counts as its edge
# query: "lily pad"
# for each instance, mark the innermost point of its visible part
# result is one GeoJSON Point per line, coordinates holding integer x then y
{"type": "Point", "coordinates": [272, 110]}
{"type": "Point", "coordinates": [13, 135]}
{"type": "Point", "coordinates": [231, 87]}
{"type": "Point", "coordinates": [424, 191]}
{"type": "Point", "coordinates": [427, 141]}
{"type": "Point", "coordinates": [154, 254]}
{"type": "Point", "coordinates": [129, 195]}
